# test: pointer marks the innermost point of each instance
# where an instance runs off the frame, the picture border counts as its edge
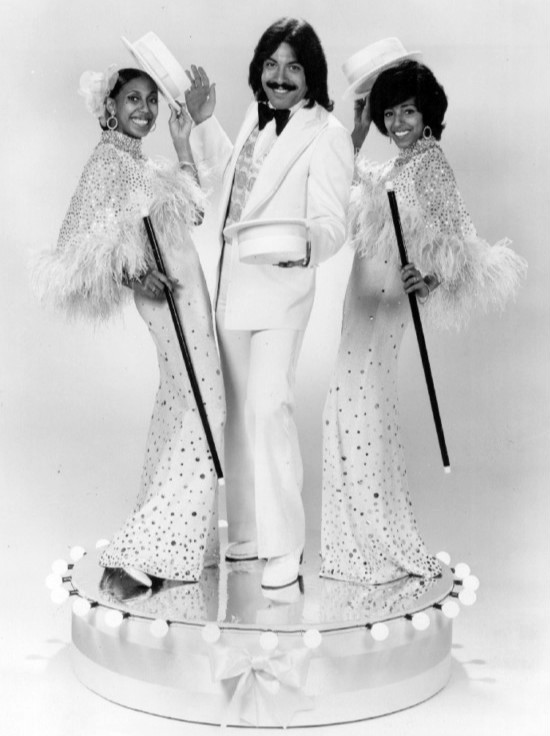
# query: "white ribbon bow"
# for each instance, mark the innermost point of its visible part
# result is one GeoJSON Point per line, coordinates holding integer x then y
{"type": "Point", "coordinates": [269, 686]}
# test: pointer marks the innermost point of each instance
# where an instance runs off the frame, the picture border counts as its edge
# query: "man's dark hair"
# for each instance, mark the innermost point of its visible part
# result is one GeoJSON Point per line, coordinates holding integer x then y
{"type": "Point", "coordinates": [400, 83]}
{"type": "Point", "coordinates": [309, 53]}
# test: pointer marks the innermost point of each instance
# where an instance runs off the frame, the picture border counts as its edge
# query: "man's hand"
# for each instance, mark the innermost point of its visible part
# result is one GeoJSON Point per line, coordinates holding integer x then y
{"type": "Point", "coordinates": [200, 98]}
{"type": "Point", "coordinates": [302, 263]}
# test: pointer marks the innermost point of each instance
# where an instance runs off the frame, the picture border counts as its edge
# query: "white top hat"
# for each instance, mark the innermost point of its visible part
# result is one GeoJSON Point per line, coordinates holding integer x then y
{"type": "Point", "coordinates": [268, 242]}
{"type": "Point", "coordinates": [154, 58]}
{"type": "Point", "coordinates": [362, 68]}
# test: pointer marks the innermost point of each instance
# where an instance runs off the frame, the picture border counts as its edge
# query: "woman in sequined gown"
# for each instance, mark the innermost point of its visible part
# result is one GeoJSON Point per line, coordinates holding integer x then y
{"type": "Point", "coordinates": [102, 257]}
{"type": "Point", "coordinates": [369, 532]}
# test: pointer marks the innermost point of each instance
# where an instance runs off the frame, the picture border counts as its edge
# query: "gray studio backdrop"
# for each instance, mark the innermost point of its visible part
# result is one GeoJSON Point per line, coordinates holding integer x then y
{"type": "Point", "coordinates": [76, 400]}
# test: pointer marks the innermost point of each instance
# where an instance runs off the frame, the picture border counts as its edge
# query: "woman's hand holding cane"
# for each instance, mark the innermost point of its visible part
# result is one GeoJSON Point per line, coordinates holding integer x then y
{"type": "Point", "coordinates": [413, 281]}
{"type": "Point", "coordinates": [152, 284]}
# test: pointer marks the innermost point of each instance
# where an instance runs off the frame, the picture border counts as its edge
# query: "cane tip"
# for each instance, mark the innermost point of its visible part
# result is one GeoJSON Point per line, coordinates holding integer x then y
{"type": "Point", "coordinates": [447, 469]}
{"type": "Point", "coordinates": [221, 482]}
{"type": "Point", "coordinates": [389, 186]}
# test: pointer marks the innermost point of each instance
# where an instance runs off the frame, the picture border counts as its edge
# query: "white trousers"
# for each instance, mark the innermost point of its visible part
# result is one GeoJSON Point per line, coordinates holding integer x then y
{"type": "Point", "coordinates": [263, 464]}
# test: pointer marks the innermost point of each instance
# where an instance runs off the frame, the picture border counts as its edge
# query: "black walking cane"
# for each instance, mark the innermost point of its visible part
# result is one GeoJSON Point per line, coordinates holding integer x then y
{"type": "Point", "coordinates": [419, 331]}
{"type": "Point", "coordinates": [184, 349]}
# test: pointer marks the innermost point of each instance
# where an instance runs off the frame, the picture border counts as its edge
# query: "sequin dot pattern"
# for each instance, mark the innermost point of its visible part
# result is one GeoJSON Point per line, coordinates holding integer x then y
{"type": "Point", "coordinates": [369, 532]}
{"type": "Point", "coordinates": [172, 532]}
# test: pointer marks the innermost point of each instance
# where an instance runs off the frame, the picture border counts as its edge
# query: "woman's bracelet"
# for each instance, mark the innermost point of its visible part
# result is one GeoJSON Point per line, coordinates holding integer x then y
{"type": "Point", "coordinates": [183, 164]}
{"type": "Point", "coordinates": [432, 282]}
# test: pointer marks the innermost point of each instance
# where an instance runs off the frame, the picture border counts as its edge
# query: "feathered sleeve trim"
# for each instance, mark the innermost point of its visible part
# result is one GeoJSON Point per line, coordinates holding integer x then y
{"type": "Point", "coordinates": [102, 242]}
{"type": "Point", "coordinates": [176, 199]}
{"type": "Point", "coordinates": [439, 234]}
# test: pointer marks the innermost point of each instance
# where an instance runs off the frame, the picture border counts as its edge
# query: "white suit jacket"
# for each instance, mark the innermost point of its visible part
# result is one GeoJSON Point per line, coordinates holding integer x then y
{"type": "Point", "coordinates": [306, 174]}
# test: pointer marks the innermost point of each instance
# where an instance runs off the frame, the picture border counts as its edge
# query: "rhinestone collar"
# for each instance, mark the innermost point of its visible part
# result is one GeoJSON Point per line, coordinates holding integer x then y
{"type": "Point", "coordinates": [421, 145]}
{"type": "Point", "coordinates": [123, 142]}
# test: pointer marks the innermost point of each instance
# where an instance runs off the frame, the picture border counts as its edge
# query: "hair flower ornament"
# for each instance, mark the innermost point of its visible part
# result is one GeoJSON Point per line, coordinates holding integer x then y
{"type": "Point", "coordinates": [95, 87]}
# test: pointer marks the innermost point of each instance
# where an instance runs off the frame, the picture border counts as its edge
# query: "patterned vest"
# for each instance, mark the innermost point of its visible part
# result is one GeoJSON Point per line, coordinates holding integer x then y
{"type": "Point", "coordinates": [246, 173]}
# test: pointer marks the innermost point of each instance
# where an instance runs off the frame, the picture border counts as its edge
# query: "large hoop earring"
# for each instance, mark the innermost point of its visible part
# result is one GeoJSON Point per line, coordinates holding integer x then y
{"type": "Point", "coordinates": [427, 132]}
{"type": "Point", "coordinates": [153, 127]}
{"type": "Point", "coordinates": [110, 120]}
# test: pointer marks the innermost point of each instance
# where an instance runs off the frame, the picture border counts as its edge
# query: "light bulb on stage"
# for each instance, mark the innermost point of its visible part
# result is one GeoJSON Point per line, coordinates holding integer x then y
{"type": "Point", "coordinates": [113, 618]}
{"type": "Point", "coordinates": [312, 638]}
{"type": "Point", "coordinates": [444, 557]}
{"type": "Point", "coordinates": [211, 633]}
{"type": "Point", "coordinates": [462, 570]}
{"type": "Point", "coordinates": [60, 567]}
{"type": "Point", "coordinates": [379, 632]}
{"type": "Point", "coordinates": [53, 581]}
{"type": "Point", "coordinates": [451, 609]}
{"type": "Point", "coordinates": [420, 621]}
{"type": "Point", "coordinates": [471, 583]}
{"type": "Point", "coordinates": [77, 553]}
{"type": "Point", "coordinates": [159, 628]}
{"type": "Point", "coordinates": [59, 595]}
{"type": "Point", "coordinates": [81, 606]}
{"type": "Point", "coordinates": [467, 597]}
{"type": "Point", "coordinates": [269, 640]}
{"type": "Point", "coordinates": [101, 543]}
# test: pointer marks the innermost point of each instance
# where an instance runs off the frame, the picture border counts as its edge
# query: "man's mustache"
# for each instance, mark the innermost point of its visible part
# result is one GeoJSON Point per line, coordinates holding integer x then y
{"type": "Point", "coordinates": [282, 85]}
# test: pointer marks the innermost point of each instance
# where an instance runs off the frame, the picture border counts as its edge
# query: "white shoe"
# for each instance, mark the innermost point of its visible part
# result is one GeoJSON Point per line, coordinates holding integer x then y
{"type": "Point", "coordinates": [211, 562]}
{"type": "Point", "coordinates": [139, 576]}
{"type": "Point", "coordinates": [241, 552]}
{"type": "Point", "coordinates": [289, 594]}
{"type": "Point", "coordinates": [283, 570]}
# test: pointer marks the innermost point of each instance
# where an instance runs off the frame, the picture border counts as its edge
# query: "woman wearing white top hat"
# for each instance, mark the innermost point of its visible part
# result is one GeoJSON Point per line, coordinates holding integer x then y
{"type": "Point", "coordinates": [102, 258]}
{"type": "Point", "coordinates": [369, 533]}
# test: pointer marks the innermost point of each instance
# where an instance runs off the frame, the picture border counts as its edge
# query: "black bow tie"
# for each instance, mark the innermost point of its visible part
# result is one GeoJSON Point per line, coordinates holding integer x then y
{"type": "Point", "coordinates": [266, 113]}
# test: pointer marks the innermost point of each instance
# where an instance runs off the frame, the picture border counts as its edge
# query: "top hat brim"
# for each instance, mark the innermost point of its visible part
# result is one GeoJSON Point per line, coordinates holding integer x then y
{"type": "Point", "coordinates": [362, 86]}
{"type": "Point", "coordinates": [261, 224]}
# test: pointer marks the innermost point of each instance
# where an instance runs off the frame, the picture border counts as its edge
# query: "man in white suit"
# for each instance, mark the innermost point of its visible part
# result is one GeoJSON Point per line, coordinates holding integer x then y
{"type": "Point", "coordinates": [291, 159]}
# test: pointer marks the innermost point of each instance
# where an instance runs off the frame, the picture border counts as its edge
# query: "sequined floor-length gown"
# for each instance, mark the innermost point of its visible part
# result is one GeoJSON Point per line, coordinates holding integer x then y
{"type": "Point", "coordinates": [173, 531]}
{"type": "Point", "coordinates": [369, 532]}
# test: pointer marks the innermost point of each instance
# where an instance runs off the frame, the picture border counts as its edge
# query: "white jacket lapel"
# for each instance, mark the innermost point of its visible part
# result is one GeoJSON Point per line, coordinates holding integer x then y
{"type": "Point", "coordinates": [299, 133]}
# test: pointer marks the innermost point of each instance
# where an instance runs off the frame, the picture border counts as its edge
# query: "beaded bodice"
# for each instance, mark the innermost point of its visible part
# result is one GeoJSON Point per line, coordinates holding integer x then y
{"type": "Point", "coordinates": [102, 241]}
{"type": "Point", "coordinates": [429, 202]}
{"type": "Point", "coordinates": [439, 234]}
{"type": "Point", "coordinates": [114, 187]}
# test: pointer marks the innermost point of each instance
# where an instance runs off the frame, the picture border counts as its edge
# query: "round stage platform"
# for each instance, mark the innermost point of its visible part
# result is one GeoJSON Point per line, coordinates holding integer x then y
{"type": "Point", "coordinates": [221, 652]}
